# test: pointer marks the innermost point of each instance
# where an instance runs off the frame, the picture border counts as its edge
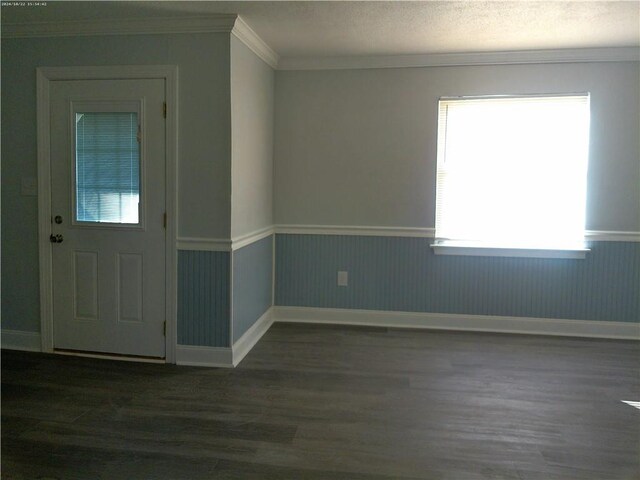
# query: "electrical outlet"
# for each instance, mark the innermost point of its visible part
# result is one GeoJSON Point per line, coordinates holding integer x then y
{"type": "Point", "coordinates": [343, 279]}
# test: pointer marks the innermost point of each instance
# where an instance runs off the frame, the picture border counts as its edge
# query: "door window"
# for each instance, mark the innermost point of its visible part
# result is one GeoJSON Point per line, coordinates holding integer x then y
{"type": "Point", "coordinates": [107, 167]}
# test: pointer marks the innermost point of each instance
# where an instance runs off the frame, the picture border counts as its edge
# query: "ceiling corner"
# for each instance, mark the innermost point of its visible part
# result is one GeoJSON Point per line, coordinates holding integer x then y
{"type": "Point", "coordinates": [257, 45]}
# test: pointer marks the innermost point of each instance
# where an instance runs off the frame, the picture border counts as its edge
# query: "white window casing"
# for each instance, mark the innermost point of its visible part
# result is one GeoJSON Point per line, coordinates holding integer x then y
{"type": "Point", "coordinates": [512, 175]}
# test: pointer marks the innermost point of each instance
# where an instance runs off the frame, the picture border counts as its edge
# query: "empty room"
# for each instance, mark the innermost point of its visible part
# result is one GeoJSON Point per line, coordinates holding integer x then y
{"type": "Point", "coordinates": [320, 240]}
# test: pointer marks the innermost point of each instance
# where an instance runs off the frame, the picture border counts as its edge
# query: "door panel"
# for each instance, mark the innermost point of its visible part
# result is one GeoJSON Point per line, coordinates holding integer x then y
{"type": "Point", "coordinates": [85, 280]}
{"type": "Point", "coordinates": [130, 289]}
{"type": "Point", "coordinates": [108, 190]}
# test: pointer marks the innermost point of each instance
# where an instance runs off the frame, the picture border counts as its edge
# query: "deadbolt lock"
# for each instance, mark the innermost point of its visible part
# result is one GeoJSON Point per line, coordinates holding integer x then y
{"type": "Point", "coordinates": [58, 219]}
{"type": "Point", "coordinates": [56, 238]}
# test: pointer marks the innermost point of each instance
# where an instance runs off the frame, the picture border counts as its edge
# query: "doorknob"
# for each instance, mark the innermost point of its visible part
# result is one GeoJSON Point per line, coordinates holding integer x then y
{"type": "Point", "coordinates": [56, 238]}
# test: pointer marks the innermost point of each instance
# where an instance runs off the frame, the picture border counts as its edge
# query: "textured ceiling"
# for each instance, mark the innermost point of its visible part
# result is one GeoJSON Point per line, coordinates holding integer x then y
{"type": "Point", "coordinates": [384, 28]}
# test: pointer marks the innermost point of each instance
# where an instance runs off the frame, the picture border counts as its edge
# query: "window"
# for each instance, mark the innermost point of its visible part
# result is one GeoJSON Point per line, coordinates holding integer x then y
{"type": "Point", "coordinates": [512, 171]}
{"type": "Point", "coordinates": [107, 167]}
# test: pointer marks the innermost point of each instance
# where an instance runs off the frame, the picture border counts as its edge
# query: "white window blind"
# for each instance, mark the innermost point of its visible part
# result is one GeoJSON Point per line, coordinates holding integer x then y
{"type": "Point", "coordinates": [107, 167]}
{"type": "Point", "coordinates": [511, 171]}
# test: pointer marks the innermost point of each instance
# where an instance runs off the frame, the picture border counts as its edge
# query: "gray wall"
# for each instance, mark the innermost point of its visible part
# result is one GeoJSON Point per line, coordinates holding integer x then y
{"type": "Point", "coordinates": [358, 147]}
{"type": "Point", "coordinates": [204, 142]}
{"type": "Point", "coordinates": [252, 92]}
{"type": "Point", "coordinates": [252, 119]}
{"type": "Point", "coordinates": [352, 147]}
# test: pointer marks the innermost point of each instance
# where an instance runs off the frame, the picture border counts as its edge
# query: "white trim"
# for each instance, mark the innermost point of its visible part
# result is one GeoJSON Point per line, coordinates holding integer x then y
{"type": "Point", "coordinates": [231, 292]}
{"type": "Point", "coordinates": [44, 76]}
{"type": "Point", "coordinates": [424, 232]}
{"type": "Point", "coordinates": [43, 79]}
{"type": "Point", "coordinates": [20, 340]}
{"type": "Point", "coordinates": [110, 72]}
{"type": "Point", "coordinates": [223, 244]}
{"type": "Point", "coordinates": [252, 336]}
{"type": "Point", "coordinates": [611, 236]}
{"type": "Point", "coordinates": [447, 321]}
{"type": "Point", "coordinates": [204, 244]}
{"type": "Point", "coordinates": [251, 237]}
{"type": "Point", "coordinates": [106, 356]}
{"type": "Point", "coordinates": [222, 23]}
{"type": "Point", "coordinates": [171, 204]}
{"type": "Point", "coordinates": [223, 356]}
{"type": "Point", "coordinates": [487, 251]}
{"type": "Point", "coordinates": [356, 230]}
{"type": "Point", "coordinates": [273, 270]}
{"type": "Point", "coordinates": [246, 35]}
{"type": "Point", "coordinates": [204, 356]}
{"type": "Point", "coordinates": [575, 55]}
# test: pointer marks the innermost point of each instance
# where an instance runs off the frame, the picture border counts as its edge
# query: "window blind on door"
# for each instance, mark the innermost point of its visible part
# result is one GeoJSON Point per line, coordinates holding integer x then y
{"type": "Point", "coordinates": [107, 170]}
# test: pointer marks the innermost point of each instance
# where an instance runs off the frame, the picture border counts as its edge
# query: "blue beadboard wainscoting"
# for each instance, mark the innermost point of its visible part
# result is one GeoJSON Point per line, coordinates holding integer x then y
{"type": "Point", "coordinates": [203, 298]}
{"type": "Point", "coordinates": [252, 284]}
{"type": "Point", "coordinates": [403, 274]}
{"type": "Point", "coordinates": [224, 302]}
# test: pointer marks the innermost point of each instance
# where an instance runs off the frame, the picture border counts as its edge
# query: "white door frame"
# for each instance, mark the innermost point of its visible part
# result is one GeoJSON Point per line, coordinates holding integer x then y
{"type": "Point", "coordinates": [44, 76]}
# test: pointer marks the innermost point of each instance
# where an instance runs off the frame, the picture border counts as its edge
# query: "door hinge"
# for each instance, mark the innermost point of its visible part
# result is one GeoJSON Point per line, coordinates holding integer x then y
{"type": "Point", "coordinates": [164, 328]}
{"type": "Point", "coordinates": [164, 220]}
{"type": "Point", "coordinates": [164, 109]}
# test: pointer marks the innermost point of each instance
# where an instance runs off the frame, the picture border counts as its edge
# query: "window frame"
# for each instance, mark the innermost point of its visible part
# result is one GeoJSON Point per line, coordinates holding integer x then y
{"type": "Point", "coordinates": [446, 246]}
{"type": "Point", "coordinates": [108, 106]}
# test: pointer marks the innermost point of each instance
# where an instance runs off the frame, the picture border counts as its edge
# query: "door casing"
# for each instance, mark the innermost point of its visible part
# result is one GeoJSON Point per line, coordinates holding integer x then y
{"type": "Point", "coordinates": [44, 77]}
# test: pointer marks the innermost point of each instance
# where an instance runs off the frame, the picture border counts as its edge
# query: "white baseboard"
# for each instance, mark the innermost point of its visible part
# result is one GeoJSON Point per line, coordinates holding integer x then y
{"type": "Point", "coordinates": [19, 340]}
{"type": "Point", "coordinates": [197, 356]}
{"type": "Point", "coordinates": [447, 321]}
{"type": "Point", "coordinates": [251, 336]}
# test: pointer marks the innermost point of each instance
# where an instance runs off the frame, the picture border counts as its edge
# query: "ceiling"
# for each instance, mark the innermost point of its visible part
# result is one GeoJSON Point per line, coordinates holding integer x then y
{"type": "Point", "coordinates": [319, 29]}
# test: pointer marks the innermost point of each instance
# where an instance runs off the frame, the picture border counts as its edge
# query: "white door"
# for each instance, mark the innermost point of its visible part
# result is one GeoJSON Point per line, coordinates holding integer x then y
{"type": "Point", "coordinates": [108, 215]}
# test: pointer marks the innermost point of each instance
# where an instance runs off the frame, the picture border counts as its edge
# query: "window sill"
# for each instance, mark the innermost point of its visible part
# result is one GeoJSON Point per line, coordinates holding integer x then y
{"type": "Point", "coordinates": [483, 250]}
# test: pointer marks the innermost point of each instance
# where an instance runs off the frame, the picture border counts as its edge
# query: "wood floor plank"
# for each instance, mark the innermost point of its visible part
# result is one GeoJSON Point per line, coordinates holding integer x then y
{"type": "Point", "coordinates": [30, 460]}
{"type": "Point", "coordinates": [333, 402]}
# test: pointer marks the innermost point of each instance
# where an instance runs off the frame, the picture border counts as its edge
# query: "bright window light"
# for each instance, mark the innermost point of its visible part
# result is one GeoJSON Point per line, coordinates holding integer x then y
{"type": "Point", "coordinates": [512, 171]}
{"type": "Point", "coordinates": [633, 404]}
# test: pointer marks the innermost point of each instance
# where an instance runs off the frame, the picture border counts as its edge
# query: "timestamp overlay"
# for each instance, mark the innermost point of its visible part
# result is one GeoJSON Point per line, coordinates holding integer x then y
{"type": "Point", "coordinates": [23, 4]}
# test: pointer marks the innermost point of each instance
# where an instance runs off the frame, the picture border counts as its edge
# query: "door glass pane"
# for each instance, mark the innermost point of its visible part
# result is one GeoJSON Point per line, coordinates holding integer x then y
{"type": "Point", "coordinates": [107, 167]}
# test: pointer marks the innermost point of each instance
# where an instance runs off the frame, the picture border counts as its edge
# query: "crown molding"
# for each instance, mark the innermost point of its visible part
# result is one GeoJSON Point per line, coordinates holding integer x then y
{"type": "Point", "coordinates": [232, 23]}
{"type": "Point", "coordinates": [577, 55]}
{"type": "Point", "coordinates": [224, 23]}
{"type": "Point", "coordinates": [127, 26]}
{"type": "Point", "coordinates": [246, 35]}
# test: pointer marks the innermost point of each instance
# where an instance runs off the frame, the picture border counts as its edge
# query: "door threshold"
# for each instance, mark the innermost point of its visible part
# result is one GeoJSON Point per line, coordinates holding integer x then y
{"type": "Point", "coordinates": [109, 356]}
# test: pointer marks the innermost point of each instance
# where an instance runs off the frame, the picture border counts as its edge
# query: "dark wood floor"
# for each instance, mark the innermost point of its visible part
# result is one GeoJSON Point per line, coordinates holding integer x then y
{"type": "Point", "coordinates": [325, 402]}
